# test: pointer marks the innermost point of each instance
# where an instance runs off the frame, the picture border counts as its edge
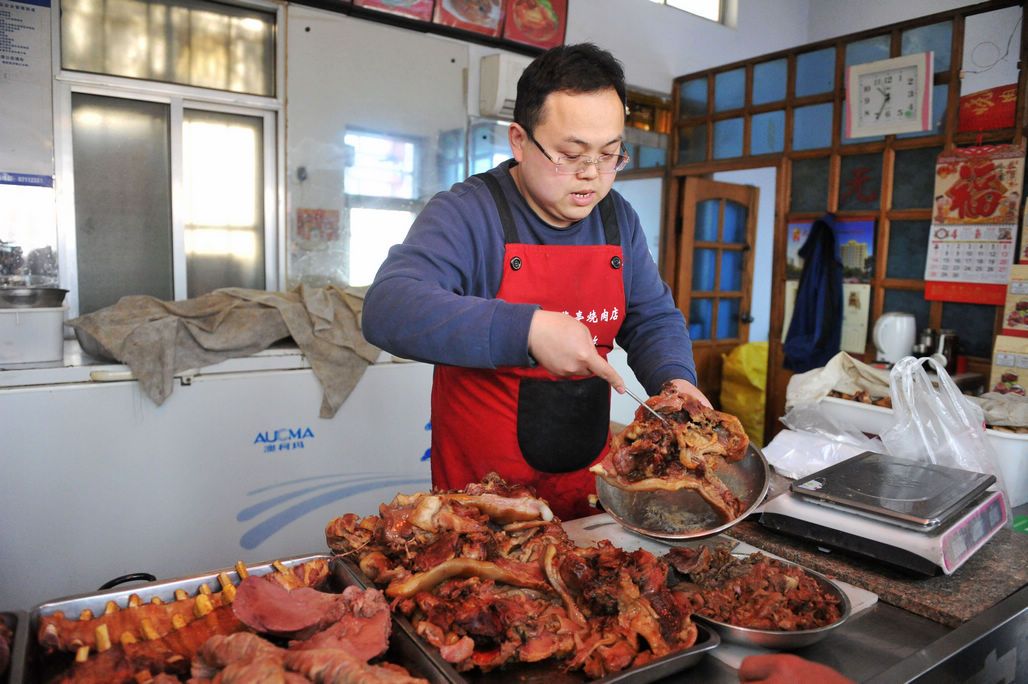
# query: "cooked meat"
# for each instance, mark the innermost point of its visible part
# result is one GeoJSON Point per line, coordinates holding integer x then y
{"type": "Point", "coordinates": [647, 455]}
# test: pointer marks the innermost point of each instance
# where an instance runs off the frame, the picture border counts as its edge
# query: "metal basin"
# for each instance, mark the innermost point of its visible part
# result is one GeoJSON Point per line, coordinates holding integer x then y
{"type": "Point", "coordinates": [780, 639]}
{"type": "Point", "coordinates": [683, 514]}
{"type": "Point", "coordinates": [31, 297]}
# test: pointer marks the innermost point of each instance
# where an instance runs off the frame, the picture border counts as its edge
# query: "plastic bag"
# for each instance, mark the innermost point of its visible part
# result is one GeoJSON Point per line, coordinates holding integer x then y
{"type": "Point", "coordinates": [743, 381]}
{"type": "Point", "coordinates": [814, 441]}
{"type": "Point", "coordinates": [937, 424]}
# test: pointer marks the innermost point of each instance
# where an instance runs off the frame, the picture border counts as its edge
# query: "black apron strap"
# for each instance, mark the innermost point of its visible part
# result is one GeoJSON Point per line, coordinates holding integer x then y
{"type": "Point", "coordinates": [510, 234]}
{"type": "Point", "coordinates": [611, 229]}
{"type": "Point", "coordinates": [608, 214]}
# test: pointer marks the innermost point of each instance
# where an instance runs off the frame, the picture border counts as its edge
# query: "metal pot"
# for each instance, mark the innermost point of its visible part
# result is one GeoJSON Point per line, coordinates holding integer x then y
{"type": "Point", "coordinates": [31, 297]}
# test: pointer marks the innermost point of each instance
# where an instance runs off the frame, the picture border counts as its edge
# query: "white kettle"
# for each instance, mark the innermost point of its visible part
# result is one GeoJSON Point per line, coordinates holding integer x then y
{"type": "Point", "coordinates": [893, 335]}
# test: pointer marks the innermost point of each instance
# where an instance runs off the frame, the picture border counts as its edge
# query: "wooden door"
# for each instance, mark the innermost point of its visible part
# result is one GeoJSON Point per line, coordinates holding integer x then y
{"type": "Point", "coordinates": [714, 281]}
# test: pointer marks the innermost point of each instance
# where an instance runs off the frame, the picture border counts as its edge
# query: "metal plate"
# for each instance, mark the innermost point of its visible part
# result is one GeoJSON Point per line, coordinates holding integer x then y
{"type": "Point", "coordinates": [31, 297]}
{"type": "Point", "coordinates": [683, 514]}
{"type": "Point", "coordinates": [18, 622]}
{"type": "Point", "coordinates": [401, 650]}
{"type": "Point", "coordinates": [779, 639]}
{"type": "Point", "coordinates": [552, 671]}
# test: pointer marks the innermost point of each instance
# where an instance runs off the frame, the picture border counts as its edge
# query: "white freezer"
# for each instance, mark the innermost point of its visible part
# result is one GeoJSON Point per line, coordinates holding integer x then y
{"type": "Point", "coordinates": [96, 481]}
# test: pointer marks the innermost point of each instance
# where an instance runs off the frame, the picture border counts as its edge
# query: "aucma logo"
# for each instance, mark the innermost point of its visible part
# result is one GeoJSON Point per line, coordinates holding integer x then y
{"type": "Point", "coordinates": [283, 439]}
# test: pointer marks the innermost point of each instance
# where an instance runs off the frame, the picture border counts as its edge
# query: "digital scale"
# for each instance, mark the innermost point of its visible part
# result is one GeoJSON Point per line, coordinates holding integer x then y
{"type": "Point", "coordinates": [917, 516]}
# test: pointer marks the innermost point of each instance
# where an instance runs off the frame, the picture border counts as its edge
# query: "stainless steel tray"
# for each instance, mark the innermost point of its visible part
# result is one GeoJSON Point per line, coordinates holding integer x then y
{"type": "Point", "coordinates": [401, 650]}
{"type": "Point", "coordinates": [780, 639]}
{"type": "Point", "coordinates": [18, 622]}
{"type": "Point", "coordinates": [549, 672]}
{"type": "Point", "coordinates": [683, 514]}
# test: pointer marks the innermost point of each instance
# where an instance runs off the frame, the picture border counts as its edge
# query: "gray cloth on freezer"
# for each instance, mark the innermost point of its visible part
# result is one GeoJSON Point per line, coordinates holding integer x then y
{"type": "Point", "coordinates": [157, 339]}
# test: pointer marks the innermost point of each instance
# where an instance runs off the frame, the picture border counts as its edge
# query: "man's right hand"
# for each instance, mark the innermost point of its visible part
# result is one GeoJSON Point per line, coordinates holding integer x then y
{"type": "Point", "coordinates": [564, 346]}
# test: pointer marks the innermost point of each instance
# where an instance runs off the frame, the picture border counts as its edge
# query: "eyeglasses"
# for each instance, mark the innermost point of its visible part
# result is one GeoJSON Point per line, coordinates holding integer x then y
{"type": "Point", "coordinates": [570, 165]}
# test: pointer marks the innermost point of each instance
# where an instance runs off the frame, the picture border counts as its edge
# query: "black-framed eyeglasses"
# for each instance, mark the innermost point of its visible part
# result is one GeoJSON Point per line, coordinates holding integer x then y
{"type": "Point", "coordinates": [574, 164]}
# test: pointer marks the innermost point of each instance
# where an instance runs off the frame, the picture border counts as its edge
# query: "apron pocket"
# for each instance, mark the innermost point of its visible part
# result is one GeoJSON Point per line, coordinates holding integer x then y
{"type": "Point", "coordinates": [562, 424]}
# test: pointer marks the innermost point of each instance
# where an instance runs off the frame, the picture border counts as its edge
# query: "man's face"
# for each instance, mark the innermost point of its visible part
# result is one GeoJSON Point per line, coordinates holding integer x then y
{"type": "Point", "coordinates": [570, 125]}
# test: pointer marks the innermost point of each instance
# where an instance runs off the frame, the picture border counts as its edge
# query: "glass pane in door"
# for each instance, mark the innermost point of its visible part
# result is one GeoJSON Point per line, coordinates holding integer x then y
{"type": "Point", "coordinates": [122, 164]}
{"type": "Point", "coordinates": [735, 223]}
{"type": "Point", "coordinates": [731, 271]}
{"type": "Point", "coordinates": [727, 319]}
{"type": "Point", "coordinates": [700, 318]}
{"type": "Point", "coordinates": [706, 220]}
{"type": "Point", "coordinates": [223, 178]}
{"type": "Point", "coordinates": [704, 265]}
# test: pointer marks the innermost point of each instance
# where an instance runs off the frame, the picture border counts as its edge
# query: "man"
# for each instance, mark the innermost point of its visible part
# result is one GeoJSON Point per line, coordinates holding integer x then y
{"type": "Point", "coordinates": [516, 282]}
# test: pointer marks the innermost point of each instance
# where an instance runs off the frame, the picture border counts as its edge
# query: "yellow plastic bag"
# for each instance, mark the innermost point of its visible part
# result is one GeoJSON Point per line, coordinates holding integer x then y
{"type": "Point", "coordinates": [743, 381]}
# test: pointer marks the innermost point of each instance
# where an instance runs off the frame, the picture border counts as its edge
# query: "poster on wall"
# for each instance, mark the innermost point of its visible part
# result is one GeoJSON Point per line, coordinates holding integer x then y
{"type": "Point", "coordinates": [413, 9]}
{"type": "Point", "coordinates": [480, 16]}
{"type": "Point", "coordinates": [1015, 312]}
{"type": "Point", "coordinates": [854, 239]}
{"type": "Point", "coordinates": [319, 225]}
{"type": "Point", "coordinates": [974, 224]}
{"type": "Point", "coordinates": [26, 86]}
{"type": "Point", "coordinates": [1009, 365]}
{"type": "Point", "coordinates": [539, 23]}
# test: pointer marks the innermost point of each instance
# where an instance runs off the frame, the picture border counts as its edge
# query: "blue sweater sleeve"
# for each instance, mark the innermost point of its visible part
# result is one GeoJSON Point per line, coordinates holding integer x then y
{"type": "Point", "coordinates": [432, 299]}
{"type": "Point", "coordinates": [653, 333]}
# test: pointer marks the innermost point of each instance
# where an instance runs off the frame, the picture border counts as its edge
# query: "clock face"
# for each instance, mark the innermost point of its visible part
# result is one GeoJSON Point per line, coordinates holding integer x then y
{"type": "Point", "coordinates": [888, 97]}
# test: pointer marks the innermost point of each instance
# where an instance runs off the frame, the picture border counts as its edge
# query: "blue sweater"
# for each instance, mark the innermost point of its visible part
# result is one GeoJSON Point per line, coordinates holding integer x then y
{"type": "Point", "coordinates": [433, 299]}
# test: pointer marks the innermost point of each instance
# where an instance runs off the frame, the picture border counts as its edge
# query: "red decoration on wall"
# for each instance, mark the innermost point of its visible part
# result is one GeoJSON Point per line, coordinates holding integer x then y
{"type": "Point", "coordinates": [988, 109]}
{"type": "Point", "coordinates": [480, 16]}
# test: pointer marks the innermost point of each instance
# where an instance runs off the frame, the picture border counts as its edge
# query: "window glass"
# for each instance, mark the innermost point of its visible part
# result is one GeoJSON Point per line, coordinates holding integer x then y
{"type": "Point", "coordinates": [704, 265]}
{"type": "Point", "coordinates": [489, 145]}
{"type": "Point", "coordinates": [913, 180]}
{"type": "Point", "coordinates": [815, 72]}
{"type": "Point", "coordinates": [910, 301]}
{"type": "Point", "coordinates": [191, 42]}
{"type": "Point", "coordinates": [934, 38]}
{"type": "Point", "coordinates": [707, 220]}
{"type": "Point", "coordinates": [729, 90]}
{"type": "Point", "coordinates": [122, 199]}
{"type": "Point", "coordinates": [908, 249]}
{"type": "Point", "coordinates": [692, 98]}
{"type": "Point", "coordinates": [868, 50]}
{"type": "Point", "coordinates": [860, 182]}
{"type": "Point", "coordinates": [735, 223]}
{"type": "Point", "coordinates": [812, 126]}
{"type": "Point", "coordinates": [728, 138]}
{"type": "Point", "coordinates": [708, 9]}
{"type": "Point", "coordinates": [224, 207]}
{"type": "Point", "coordinates": [767, 132]}
{"type": "Point", "coordinates": [701, 314]}
{"type": "Point", "coordinates": [973, 324]}
{"type": "Point", "coordinates": [650, 157]}
{"type": "Point", "coordinates": [727, 319]}
{"type": "Point", "coordinates": [381, 166]}
{"type": "Point", "coordinates": [809, 185]}
{"type": "Point", "coordinates": [769, 81]}
{"type": "Point", "coordinates": [372, 233]}
{"type": "Point", "coordinates": [692, 144]}
{"type": "Point", "coordinates": [731, 270]}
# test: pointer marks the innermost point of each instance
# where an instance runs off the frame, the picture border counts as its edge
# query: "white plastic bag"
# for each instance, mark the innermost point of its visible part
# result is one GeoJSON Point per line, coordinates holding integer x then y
{"type": "Point", "coordinates": [937, 424]}
{"type": "Point", "coordinates": [814, 441]}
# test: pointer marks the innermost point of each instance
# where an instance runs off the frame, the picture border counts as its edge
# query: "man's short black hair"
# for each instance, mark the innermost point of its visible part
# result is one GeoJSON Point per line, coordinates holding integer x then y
{"type": "Point", "coordinates": [581, 68]}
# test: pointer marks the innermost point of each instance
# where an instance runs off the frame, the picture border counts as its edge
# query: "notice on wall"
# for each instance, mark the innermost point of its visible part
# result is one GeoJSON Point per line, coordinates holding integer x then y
{"type": "Point", "coordinates": [1015, 313]}
{"type": "Point", "coordinates": [1009, 365]}
{"type": "Point", "coordinates": [26, 137]}
{"type": "Point", "coordinates": [974, 224]}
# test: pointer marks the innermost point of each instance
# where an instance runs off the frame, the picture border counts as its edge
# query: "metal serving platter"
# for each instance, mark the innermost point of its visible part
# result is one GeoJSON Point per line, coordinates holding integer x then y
{"type": "Point", "coordinates": [31, 297]}
{"type": "Point", "coordinates": [779, 639]}
{"type": "Point", "coordinates": [401, 649]}
{"type": "Point", "coordinates": [550, 671]}
{"type": "Point", "coordinates": [18, 622]}
{"type": "Point", "coordinates": [683, 514]}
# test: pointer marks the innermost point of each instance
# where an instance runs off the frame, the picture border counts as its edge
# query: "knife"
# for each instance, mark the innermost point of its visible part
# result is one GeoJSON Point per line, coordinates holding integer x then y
{"type": "Point", "coordinates": [647, 407]}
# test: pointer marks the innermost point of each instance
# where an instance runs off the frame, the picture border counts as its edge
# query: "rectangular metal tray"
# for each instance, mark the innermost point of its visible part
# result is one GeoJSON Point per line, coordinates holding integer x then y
{"type": "Point", "coordinates": [551, 671]}
{"type": "Point", "coordinates": [30, 668]}
{"type": "Point", "coordinates": [18, 622]}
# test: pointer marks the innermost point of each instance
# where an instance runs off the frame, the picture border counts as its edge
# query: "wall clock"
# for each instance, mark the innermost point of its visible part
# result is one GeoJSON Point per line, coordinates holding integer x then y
{"type": "Point", "coordinates": [889, 96]}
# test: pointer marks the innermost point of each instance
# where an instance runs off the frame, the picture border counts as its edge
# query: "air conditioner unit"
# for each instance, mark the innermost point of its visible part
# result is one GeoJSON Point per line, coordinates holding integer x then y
{"type": "Point", "coordinates": [498, 84]}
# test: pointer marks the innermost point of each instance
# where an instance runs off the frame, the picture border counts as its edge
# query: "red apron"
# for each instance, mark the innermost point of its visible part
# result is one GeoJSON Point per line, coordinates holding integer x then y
{"type": "Point", "coordinates": [527, 424]}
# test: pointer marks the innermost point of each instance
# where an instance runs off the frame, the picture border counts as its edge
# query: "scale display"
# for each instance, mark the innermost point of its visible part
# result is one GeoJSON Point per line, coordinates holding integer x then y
{"type": "Point", "coordinates": [894, 489]}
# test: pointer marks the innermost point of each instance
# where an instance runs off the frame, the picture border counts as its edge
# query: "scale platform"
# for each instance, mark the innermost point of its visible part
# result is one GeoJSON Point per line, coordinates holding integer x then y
{"type": "Point", "coordinates": [920, 517]}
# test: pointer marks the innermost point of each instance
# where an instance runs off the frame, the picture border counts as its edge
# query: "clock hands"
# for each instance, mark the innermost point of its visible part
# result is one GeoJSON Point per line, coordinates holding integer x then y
{"type": "Point", "coordinates": [885, 101]}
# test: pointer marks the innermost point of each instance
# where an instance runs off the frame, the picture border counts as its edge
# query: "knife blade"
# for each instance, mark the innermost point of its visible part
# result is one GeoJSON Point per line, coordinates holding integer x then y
{"type": "Point", "coordinates": [647, 407]}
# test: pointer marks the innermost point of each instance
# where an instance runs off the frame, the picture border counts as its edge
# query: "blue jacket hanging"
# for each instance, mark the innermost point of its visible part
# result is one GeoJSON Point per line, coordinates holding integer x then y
{"type": "Point", "coordinates": [815, 332]}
